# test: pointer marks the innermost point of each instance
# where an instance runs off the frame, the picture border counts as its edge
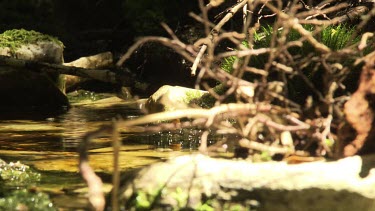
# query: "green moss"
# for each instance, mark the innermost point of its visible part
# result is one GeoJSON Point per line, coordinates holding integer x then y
{"type": "Point", "coordinates": [17, 174]}
{"type": "Point", "coordinates": [25, 200]}
{"type": "Point", "coordinates": [15, 38]}
{"type": "Point", "coordinates": [191, 95]}
{"type": "Point", "coordinates": [207, 100]}
{"type": "Point", "coordinates": [145, 200]}
{"type": "Point", "coordinates": [180, 196]}
{"type": "Point", "coordinates": [205, 207]}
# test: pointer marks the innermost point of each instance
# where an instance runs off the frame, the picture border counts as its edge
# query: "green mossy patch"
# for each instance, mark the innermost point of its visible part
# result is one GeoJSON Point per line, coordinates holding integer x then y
{"type": "Point", "coordinates": [191, 95]}
{"type": "Point", "coordinates": [15, 38]}
{"type": "Point", "coordinates": [17, 174]}
{"type": "Point", "coordinates": [26, 200]}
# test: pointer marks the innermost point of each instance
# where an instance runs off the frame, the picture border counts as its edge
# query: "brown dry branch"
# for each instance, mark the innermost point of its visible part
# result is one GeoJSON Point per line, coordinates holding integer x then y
{"type": "Point", "coordinates": [366, 18]}
{"type": "Point", "coordinates": [243, 53]}
{"type": "Point", "coordinates": [180, 47]}
{"type": "Point", "coordinates": [116, 144]}
{"type": "Point", "coordinates": [295, 24]}
{"type": "Point", "coordinates": [94, 183]}
{"type": "Point", "coordinates": [42, 67]}
{"type": "Point", "coordinates": [215, 30]}
{"type": "Point", "coordinates": [363, 43]}
{"type": "Point", "coordinates": [264, 148]}
{"type": "Point", "coordinates": [351, 15]}
{"type": "Point", "coordinates": [256, 106]}
{"type": "Point", "coordinates": [319, 10]}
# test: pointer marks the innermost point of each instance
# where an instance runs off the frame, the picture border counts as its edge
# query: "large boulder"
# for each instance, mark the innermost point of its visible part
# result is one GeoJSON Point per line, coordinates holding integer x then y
{"type": "Point", "coordinates": [169, 98]}
{"type": "Point", "coordinates": [21, 89]}
{"type": "Point", "coordinates": [199, 182]}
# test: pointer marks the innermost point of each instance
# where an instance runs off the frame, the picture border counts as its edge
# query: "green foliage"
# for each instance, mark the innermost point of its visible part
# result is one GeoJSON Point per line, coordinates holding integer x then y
{"type": "Point", "coordinates": [145, 200]}
{"type": "Point", "coordinates": [14, 38]}
{"type": "Point", "coordinates": [25, 200]}
{"type": "Point", "coordinates": [262, 157]}
{"type": "Point", "coordinates": [337, 37]}
{"type": "Point", "coordinates": [207, 206]}
{"type": "Point", "coordinates": [180, 196]}
{"type": "Point", "coordinates": [227, 63]}
{"type": "Point", "coordinates": [207, 100]}
{"type": "Point", "coordinates": [17, 174]}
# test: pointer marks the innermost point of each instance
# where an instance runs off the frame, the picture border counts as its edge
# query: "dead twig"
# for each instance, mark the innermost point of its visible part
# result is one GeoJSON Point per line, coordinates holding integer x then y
{"type": "Point", "coordinates": [216, 29]}
{"type": "Point", "coordinates": [94, 183]}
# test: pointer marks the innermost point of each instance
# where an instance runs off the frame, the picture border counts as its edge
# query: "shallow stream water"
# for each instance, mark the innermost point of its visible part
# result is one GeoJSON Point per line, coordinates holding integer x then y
{"type": "Point", "coordinates": [49, 143]}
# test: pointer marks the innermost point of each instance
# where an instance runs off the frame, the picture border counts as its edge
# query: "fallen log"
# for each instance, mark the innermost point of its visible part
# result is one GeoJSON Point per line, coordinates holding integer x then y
{"type": "Point", "coordinates": [119, 76]}
{"type": "Point", "coordinates": [98, 61]}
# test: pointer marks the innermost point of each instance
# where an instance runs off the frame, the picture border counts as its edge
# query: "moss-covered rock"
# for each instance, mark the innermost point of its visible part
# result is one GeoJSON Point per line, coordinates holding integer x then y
{"type": "Point", "coordinates": [169, 98]}
{"type": "Point", "coordinates": [21, 89]}
{"type": "Point", "coordinates": [17, 174]}
{"type": "Point", "coordinates": [31, 45]}
{"type": "Point", "coordinates": [198, 182]}
{"type": "Point", "coordinates": [15, 38]}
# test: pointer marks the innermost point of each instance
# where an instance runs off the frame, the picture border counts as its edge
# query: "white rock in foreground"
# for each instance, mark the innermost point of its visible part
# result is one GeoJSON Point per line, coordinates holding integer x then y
{"type": "Point", "coordinates": [194, 181]}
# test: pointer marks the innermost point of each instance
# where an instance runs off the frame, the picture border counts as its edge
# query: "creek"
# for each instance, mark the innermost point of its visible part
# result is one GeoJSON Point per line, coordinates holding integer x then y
{"type": "Point", "coordinates": [48, 144]}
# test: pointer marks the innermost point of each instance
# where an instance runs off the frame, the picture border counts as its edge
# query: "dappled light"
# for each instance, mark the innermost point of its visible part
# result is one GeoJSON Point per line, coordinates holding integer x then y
{"type": "Point", "coordinates": [187, 105]}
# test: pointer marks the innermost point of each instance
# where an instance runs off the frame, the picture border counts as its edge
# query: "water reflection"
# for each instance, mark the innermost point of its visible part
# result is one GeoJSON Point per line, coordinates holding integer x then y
{"type": "Point", "coordinates": [58, 133]}
{"type": "Point", "coordinates": [49, 144]}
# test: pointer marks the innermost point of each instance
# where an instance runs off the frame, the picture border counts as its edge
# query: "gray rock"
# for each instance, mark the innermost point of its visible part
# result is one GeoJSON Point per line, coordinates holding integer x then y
{"type": "Point", "coordinates": [197, 181]}
{"type": "Point", "coordinates": [42, 51]}
{"type": "Point", "coordinates": [169, 98]}
{"type": "Point", "coordinates": [24, 90]}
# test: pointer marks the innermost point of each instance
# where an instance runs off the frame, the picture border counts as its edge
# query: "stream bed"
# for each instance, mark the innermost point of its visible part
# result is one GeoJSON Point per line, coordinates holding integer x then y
{"type": "Point", "coordinates": [48, 144]}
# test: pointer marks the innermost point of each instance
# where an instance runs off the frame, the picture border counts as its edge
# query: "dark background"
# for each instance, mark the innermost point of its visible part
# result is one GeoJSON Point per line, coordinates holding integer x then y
{"type": "Point", "coordinates": [88, 27]}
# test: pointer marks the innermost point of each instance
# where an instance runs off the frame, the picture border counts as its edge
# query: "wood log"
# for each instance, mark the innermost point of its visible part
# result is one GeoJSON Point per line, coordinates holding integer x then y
{"type": "Point", "coordinates": [120, 76]}
{"type": "Point", "coordinates": [101, 60]}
